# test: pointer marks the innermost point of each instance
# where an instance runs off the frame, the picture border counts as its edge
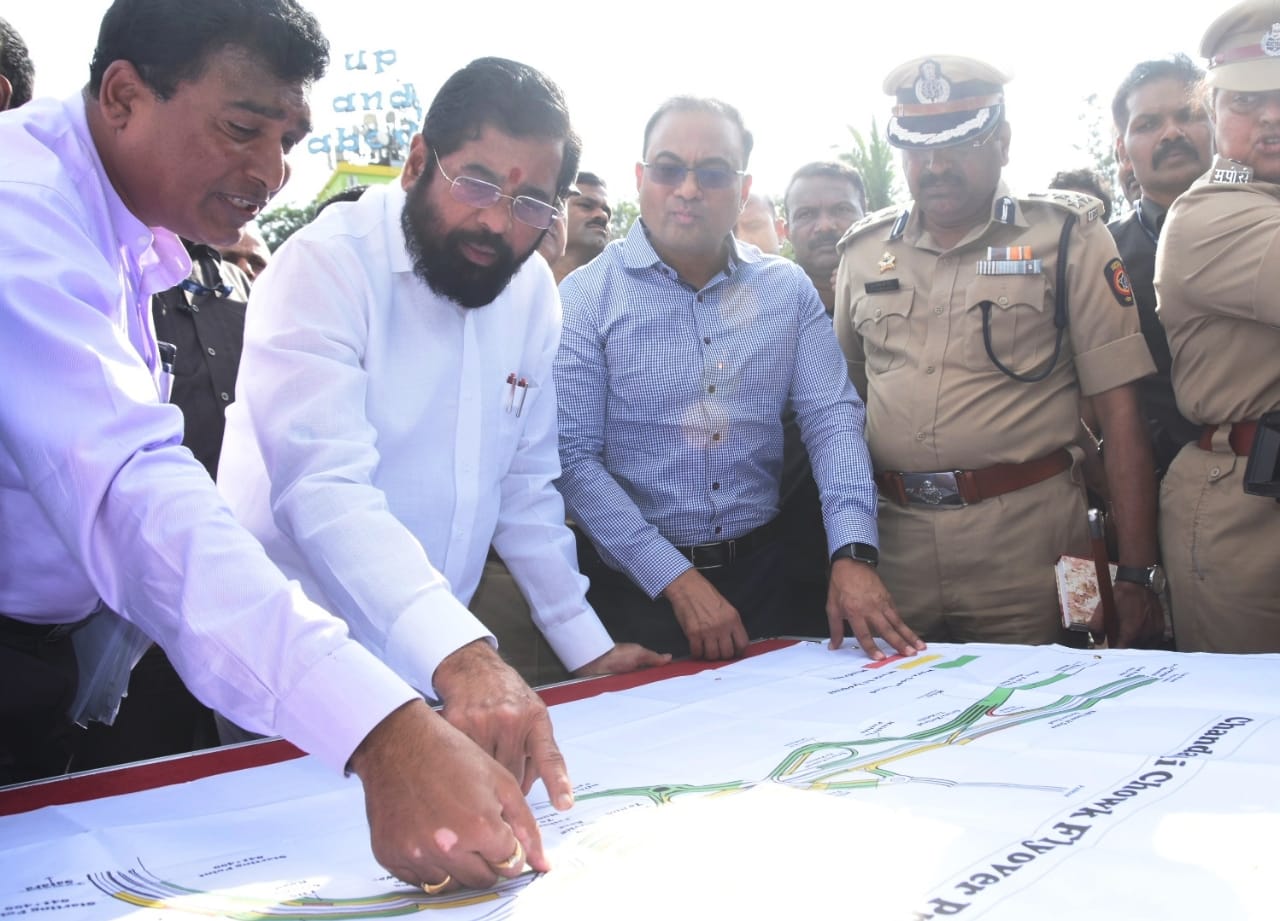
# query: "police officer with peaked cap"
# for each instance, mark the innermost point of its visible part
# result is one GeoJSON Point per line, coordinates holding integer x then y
{"type": "Point", "coordinates": [973, 321]}
{"type": "Point", "coordinates": [1218, 293]}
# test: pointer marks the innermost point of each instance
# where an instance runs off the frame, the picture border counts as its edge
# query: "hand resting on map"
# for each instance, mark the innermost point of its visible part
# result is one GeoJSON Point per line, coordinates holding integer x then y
{"type": "Point", "coordinates": [858, 598]}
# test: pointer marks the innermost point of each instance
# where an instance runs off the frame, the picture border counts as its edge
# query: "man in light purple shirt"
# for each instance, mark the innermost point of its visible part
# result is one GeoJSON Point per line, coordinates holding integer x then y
{"type": "Point", "coordinates": [102, 510]}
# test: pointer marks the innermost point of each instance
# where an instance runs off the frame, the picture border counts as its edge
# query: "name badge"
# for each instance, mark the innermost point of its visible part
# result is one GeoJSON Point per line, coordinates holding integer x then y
{"type": "Point", "coordinates": [1233, 175]}
{"type": "Point", "coordinates": [1230, 171]}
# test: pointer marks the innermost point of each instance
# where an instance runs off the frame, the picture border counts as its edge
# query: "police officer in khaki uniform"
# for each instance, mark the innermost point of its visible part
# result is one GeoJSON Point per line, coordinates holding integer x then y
{"type": "Point", "coordinates": [972, 341]}
{"type": "Point", "coordinates": [1218, 288]}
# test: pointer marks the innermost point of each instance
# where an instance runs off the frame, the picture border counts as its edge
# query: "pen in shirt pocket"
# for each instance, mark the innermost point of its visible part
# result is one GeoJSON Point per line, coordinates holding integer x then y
{"type": "Point", "coordinates": [511, 393]}
{"type": "Point", "coordinates": [523, 386]}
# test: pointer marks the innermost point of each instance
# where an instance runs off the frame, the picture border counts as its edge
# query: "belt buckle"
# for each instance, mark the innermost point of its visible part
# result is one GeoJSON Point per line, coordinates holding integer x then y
{"type": "Point", "coordinates": [58, 631]}
{"type": "Point", "coordinates": [727, 547]}
{"type": "Point", "coordinates": [937, 489]}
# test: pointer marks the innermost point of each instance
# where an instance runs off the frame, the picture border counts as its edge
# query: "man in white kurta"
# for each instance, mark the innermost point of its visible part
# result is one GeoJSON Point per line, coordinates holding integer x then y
{"type": "Point", "coordinates": [383, 436]}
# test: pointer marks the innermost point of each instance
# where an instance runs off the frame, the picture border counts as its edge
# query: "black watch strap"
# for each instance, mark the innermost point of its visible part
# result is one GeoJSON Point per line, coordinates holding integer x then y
{"type": "Point", "coordinates": [1137, 574]}
{"type": "Point", "coordinates": [861, 553]}
{"type": "Point", "coordinates": [1149, 577]}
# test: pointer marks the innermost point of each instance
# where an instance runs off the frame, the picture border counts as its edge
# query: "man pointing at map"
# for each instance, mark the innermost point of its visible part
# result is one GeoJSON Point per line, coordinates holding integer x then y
{"type": "Point", "coordinates": [105, 520]}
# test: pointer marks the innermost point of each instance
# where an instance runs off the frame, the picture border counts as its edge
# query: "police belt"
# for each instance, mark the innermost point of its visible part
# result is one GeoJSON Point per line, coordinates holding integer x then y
{"type": "Point", "coordinates": [957, 488]}
{"type": "Point", "coordinates": [1240, 439]}
{"type": "Point", "coordinates": [723, 553]}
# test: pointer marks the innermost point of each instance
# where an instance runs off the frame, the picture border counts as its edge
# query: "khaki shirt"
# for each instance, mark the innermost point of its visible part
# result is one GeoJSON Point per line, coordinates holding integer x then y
{"type": "Point", "coordinates": [908, 319]}
{"type": "Point", "coordinates": [1218, 290]}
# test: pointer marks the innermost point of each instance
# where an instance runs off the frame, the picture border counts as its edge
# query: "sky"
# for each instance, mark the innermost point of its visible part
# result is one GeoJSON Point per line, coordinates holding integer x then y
{"type": "Point", "coordinates": [800, 75]}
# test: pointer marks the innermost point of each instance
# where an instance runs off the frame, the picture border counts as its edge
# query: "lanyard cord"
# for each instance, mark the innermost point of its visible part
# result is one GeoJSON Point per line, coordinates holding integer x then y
{"type": "Point", "coordinates": [1060, 318]}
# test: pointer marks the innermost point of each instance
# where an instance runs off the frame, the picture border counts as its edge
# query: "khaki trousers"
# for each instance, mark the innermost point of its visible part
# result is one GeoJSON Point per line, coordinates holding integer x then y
{"type": "Point", "coordinates": [984, 573]}
{"type": "Point", "coordinates": [1221, 551]}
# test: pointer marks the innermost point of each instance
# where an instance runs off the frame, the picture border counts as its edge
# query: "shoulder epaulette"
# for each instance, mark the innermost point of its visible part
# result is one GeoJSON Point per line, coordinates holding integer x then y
{"type": "Point", "coordinates": [876, 219]}
{"type": "Point", "coordinates": [1084, 206]}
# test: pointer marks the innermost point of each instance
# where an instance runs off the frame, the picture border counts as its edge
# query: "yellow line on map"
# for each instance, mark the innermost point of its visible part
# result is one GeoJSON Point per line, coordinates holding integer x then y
{"type": "Point", "coordinates": [916, 663]}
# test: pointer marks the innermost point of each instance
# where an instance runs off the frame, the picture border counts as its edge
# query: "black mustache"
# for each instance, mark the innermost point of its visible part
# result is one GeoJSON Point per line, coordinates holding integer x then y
{"type": "Point", "coordinates": [929, 180]}
{"type": "Point", "coordinates": [598, 222]}
{"type": "Point", "coordinates": [485, 238]}
{"type": "Point", "coordinates": [1164, 150]}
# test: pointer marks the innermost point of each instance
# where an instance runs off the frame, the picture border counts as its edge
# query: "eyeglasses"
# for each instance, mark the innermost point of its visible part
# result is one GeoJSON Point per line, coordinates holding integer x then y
{"type": "Point", "coordinates": [476, 193]}
{"type": "Point", "coordinates": [711, 178]}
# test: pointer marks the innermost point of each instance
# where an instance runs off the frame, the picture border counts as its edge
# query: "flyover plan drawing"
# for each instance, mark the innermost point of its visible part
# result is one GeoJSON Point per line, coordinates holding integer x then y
{"type": "Point", "coordinates": [975, 781]}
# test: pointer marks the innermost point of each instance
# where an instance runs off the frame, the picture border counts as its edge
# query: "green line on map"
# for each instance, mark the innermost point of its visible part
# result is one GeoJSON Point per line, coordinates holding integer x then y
{"type": "Point", "coordinates": [957, 663]}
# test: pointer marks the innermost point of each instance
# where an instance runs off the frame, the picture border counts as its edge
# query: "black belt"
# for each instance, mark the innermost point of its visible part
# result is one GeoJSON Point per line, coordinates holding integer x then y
{"type": "Point", "coordinates": [725, 552]}
{"type": "Point", "coordinates": [25, 633]}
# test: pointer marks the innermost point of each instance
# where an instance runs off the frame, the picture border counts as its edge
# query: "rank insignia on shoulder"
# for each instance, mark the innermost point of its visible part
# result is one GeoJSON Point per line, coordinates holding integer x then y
{"type": "Point", "coordinates": [1085, 206]}
{"type": "Point", "coordinates": [1118, 282]}
{"type": "Point", "coordinates": [881, 287]}
{"type": "Point", "coordinates": [872, 219]}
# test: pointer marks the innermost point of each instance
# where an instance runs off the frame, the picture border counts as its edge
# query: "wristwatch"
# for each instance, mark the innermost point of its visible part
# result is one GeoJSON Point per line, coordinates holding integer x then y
{"type": "Point", "coordinates": [860, 553]}
{"type": "Point", "coordinates": [1149, 577]}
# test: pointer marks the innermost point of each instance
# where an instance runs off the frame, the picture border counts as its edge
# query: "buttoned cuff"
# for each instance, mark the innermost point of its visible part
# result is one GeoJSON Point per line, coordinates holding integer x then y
{"type": "Point", "coordinates": [1119, 362]}
{"type": "Point", "coordinates": [578, 640]}
{"type": "Point", "coordinates": [663, 564]}
{"type": "Point", "coordinates": [856, 529]}
{"type": "Point", "coordinates": [338, 702]}
{"type": "Point", "coordinates": [425, 635]}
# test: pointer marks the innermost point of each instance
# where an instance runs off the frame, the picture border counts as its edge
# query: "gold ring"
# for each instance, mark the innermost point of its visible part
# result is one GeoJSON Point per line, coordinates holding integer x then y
{"type": "Point", "coordinates": [515, 860]}
{"type": "Point", "coordinates": [433, 888]}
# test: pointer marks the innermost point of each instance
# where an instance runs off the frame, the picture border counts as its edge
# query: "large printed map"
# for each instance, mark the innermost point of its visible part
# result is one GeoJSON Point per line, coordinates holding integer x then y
{"type": "Point", "coordinates": [989, 782]}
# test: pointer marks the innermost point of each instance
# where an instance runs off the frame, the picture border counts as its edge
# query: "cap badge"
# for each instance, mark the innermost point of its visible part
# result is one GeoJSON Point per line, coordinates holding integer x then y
{"type": "Point", "coordinates": [887, 263]}
{"type": "Point", "coordinates": [1271, 41]}
{"type": "Point", "coordinates": [932, 86]}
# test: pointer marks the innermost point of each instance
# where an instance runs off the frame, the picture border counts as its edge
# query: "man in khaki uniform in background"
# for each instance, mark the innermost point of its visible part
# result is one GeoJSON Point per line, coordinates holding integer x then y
{"type": "Point", "coordinates": [1217, 283]}
{"type": "Point", "coordinates": [979, 496]}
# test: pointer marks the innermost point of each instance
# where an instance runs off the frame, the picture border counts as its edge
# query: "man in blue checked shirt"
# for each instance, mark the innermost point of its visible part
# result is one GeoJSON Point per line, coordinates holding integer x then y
{"type": "Point", "coordinates": [680, 352]}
